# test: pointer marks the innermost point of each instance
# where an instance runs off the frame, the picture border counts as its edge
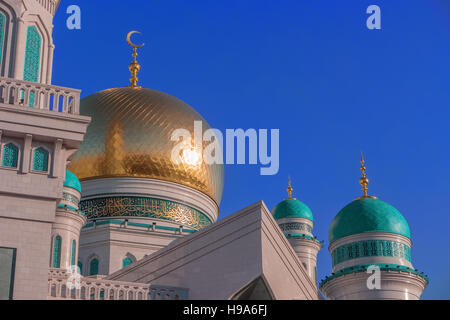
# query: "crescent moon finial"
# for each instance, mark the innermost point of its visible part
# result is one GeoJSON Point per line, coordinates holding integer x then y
{"type": "Point", "coordinates": [134, 66]}
{"type": "Point", "coordinates": [129, 34]}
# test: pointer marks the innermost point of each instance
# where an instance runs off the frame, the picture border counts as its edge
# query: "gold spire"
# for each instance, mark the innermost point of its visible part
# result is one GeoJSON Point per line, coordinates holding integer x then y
{"type": "Point", "coordinates": [289, 188]}
{"type": "Point", "coordinates": [364, 181]}
{"type": "Point", "coordinates": [134, 66]}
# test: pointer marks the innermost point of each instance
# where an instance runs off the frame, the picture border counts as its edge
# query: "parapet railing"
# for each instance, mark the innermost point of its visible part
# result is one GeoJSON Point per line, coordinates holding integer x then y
{"type": "Point", "coordinates": [97, 288]}
{"type": "Point", "coordinates": [39, 96]}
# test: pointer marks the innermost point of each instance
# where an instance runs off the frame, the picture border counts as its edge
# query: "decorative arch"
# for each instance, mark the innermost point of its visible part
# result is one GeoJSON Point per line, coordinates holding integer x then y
{"type": "Point", "coordinates": [129, 259]}
{"type": "Point", "coordinates": [32, 54]}
{"type": "Point", "coordinates": [44, 30]}
{"type": "Point", "coordinates": [10, 155]}
{"type": "Point", "coordinates": [57, 242]}
{"type": "Point", "coordinates": [40, 159]}
{"type": "Point", "coordinates": [9, 30]}
{"type": "Point", "coordinates": [93, 266]}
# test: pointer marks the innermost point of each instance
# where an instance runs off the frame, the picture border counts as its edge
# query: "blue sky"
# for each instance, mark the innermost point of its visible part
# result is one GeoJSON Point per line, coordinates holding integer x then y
{"type": "Point", "coordinates": [311, 69]}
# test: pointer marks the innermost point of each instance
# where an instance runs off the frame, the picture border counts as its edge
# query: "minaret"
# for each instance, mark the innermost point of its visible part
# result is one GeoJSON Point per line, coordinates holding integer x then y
{"type": "Point", "coordinates": [40, 130]}
{"type": "Point", "coordinates": [67, 226]}
{"type": "Point", "coordinates": [296, 221]}
{"type": "Point", "coordinates": [26, 43]}
{"type": "Point", "coordinates": [370, 246]}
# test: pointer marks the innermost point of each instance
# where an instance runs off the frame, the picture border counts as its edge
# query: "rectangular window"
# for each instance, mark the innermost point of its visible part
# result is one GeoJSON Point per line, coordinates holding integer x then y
{"type": "Point", "coordinates": [7, 268]}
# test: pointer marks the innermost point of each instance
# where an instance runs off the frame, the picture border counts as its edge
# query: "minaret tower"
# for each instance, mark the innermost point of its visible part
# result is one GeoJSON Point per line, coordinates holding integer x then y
{"type": "Point", "coordinates": [370, 246]}
{"type": "Point", "coordinates": [296, 221]}
{"type": "Point", "coordinates": [26, 44]}
{"type": "Point", "coordinates": [40, 130]}
{"type": "Point", "coordinates": [67, 226]}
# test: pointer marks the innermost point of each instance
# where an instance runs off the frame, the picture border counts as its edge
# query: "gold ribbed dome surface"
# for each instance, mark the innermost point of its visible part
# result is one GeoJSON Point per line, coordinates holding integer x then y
{"type": "Point", "coordinates": [129, 136]}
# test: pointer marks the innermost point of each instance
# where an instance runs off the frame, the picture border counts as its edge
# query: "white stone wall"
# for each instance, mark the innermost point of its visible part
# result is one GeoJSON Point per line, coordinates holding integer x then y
{"type": "Point", "coordinates": [394, 285]}
{"type": "Point", "coordinates": [307, 251]}
{"type": "Point", "coordinates": [32, 241]}
{"type": "Point", "coordinates": [221, 259]}
{"type": "Point", "coordinates": [111, 243]}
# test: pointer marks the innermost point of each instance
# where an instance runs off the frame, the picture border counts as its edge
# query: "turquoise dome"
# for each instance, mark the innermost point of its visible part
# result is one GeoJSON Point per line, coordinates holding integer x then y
{"type": "Point", "coordinates": [367, 215]}
{"type": "Point", "coordinates": [72, 181]}
{"type": "Point", "coordinates": [292, 208]}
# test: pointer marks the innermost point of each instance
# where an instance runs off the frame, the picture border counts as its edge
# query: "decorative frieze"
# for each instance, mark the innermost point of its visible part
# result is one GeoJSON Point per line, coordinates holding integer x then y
{"type": "Point", "coordinates": [144, 207]}
{"type": "Point", "coordinates": [293, 226]}
{"type": "Point", "coordinates": [370, 248]}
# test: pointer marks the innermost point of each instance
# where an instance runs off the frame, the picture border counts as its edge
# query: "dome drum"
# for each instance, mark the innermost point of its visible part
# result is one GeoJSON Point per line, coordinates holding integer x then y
{"type": "Point", "coordinates": [370, 247]}
{"type": "Point", "coordinates": [296, 226]}
{"type": "Point", "coordinates": [147, 199]}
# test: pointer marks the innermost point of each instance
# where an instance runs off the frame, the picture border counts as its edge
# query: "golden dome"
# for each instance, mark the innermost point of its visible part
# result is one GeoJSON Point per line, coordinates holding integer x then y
{"type": "Point", "coordinates": [129, 136]}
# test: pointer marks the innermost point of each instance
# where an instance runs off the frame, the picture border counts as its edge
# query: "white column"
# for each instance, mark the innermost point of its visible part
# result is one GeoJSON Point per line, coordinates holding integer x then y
{"type": "Point", "coordinates": [57, 159]}
{"type": "Point", "coordinates": [26, 154]}
{"type": "Point", "coordinates": [19, 54]}
{"type": "Point", "coordinates": [51, 48]}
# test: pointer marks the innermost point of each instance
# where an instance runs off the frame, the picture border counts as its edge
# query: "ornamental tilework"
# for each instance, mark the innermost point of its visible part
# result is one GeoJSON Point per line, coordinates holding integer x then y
{"type": "Point", "coordinates": [370, 248]}
{"type": "Point", "coordinates": [10, 155]}
{"type": "Point", "coordinates": [295, 226]}
{"type": "Point", "coordinates": [32, 58]}
{"type": "Point", "coordinates": [70, 198]}
{"type": "Point", "coordinates": [40, 160]}
{"type": "Point", "coordinates": [144, 207]}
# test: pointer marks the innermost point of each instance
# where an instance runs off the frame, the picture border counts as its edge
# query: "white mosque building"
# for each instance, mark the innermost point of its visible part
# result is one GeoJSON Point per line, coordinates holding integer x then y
{"type": "Point", "coordinates": [90, 183]}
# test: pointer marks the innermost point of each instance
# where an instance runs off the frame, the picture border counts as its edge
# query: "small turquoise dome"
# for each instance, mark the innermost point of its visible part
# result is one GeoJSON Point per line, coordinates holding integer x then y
{"type": "Point", "coordinates": [292, 208]}
{"type": "Point", "coordinates": [72, 181]}
{"type": "Point", "coordinates": [367, 215]}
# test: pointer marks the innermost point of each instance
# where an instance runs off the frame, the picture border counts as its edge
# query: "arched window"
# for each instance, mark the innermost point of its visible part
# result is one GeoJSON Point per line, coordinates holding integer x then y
{"type": "Point", "coordinates": [32, 58]}
{"type": "Point", "coordinates": [93, 267]}
{"type": "Point", "coordinates": [57, 252]}
{"type": "Point", "coordinates": [74, 248]}
{"type": "Point", "coordinates": [40, 159]}
{"type": "Point", "coordinates": [127, 261]}
{"type": "Point", "coordinates": [2, 35]}
{"type": "Point", "coordinates": [80, 265]}
{"type": "Point", "coordinates": [10, 155]}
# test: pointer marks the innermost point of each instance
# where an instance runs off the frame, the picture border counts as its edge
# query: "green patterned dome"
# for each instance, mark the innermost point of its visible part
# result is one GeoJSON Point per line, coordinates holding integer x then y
{"type": "Point", "coordinates": [72, 181]}
{"type": "Point", "coordinates": [292, 208]}
{"type": "Point", "coordinates": [367, 215]}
